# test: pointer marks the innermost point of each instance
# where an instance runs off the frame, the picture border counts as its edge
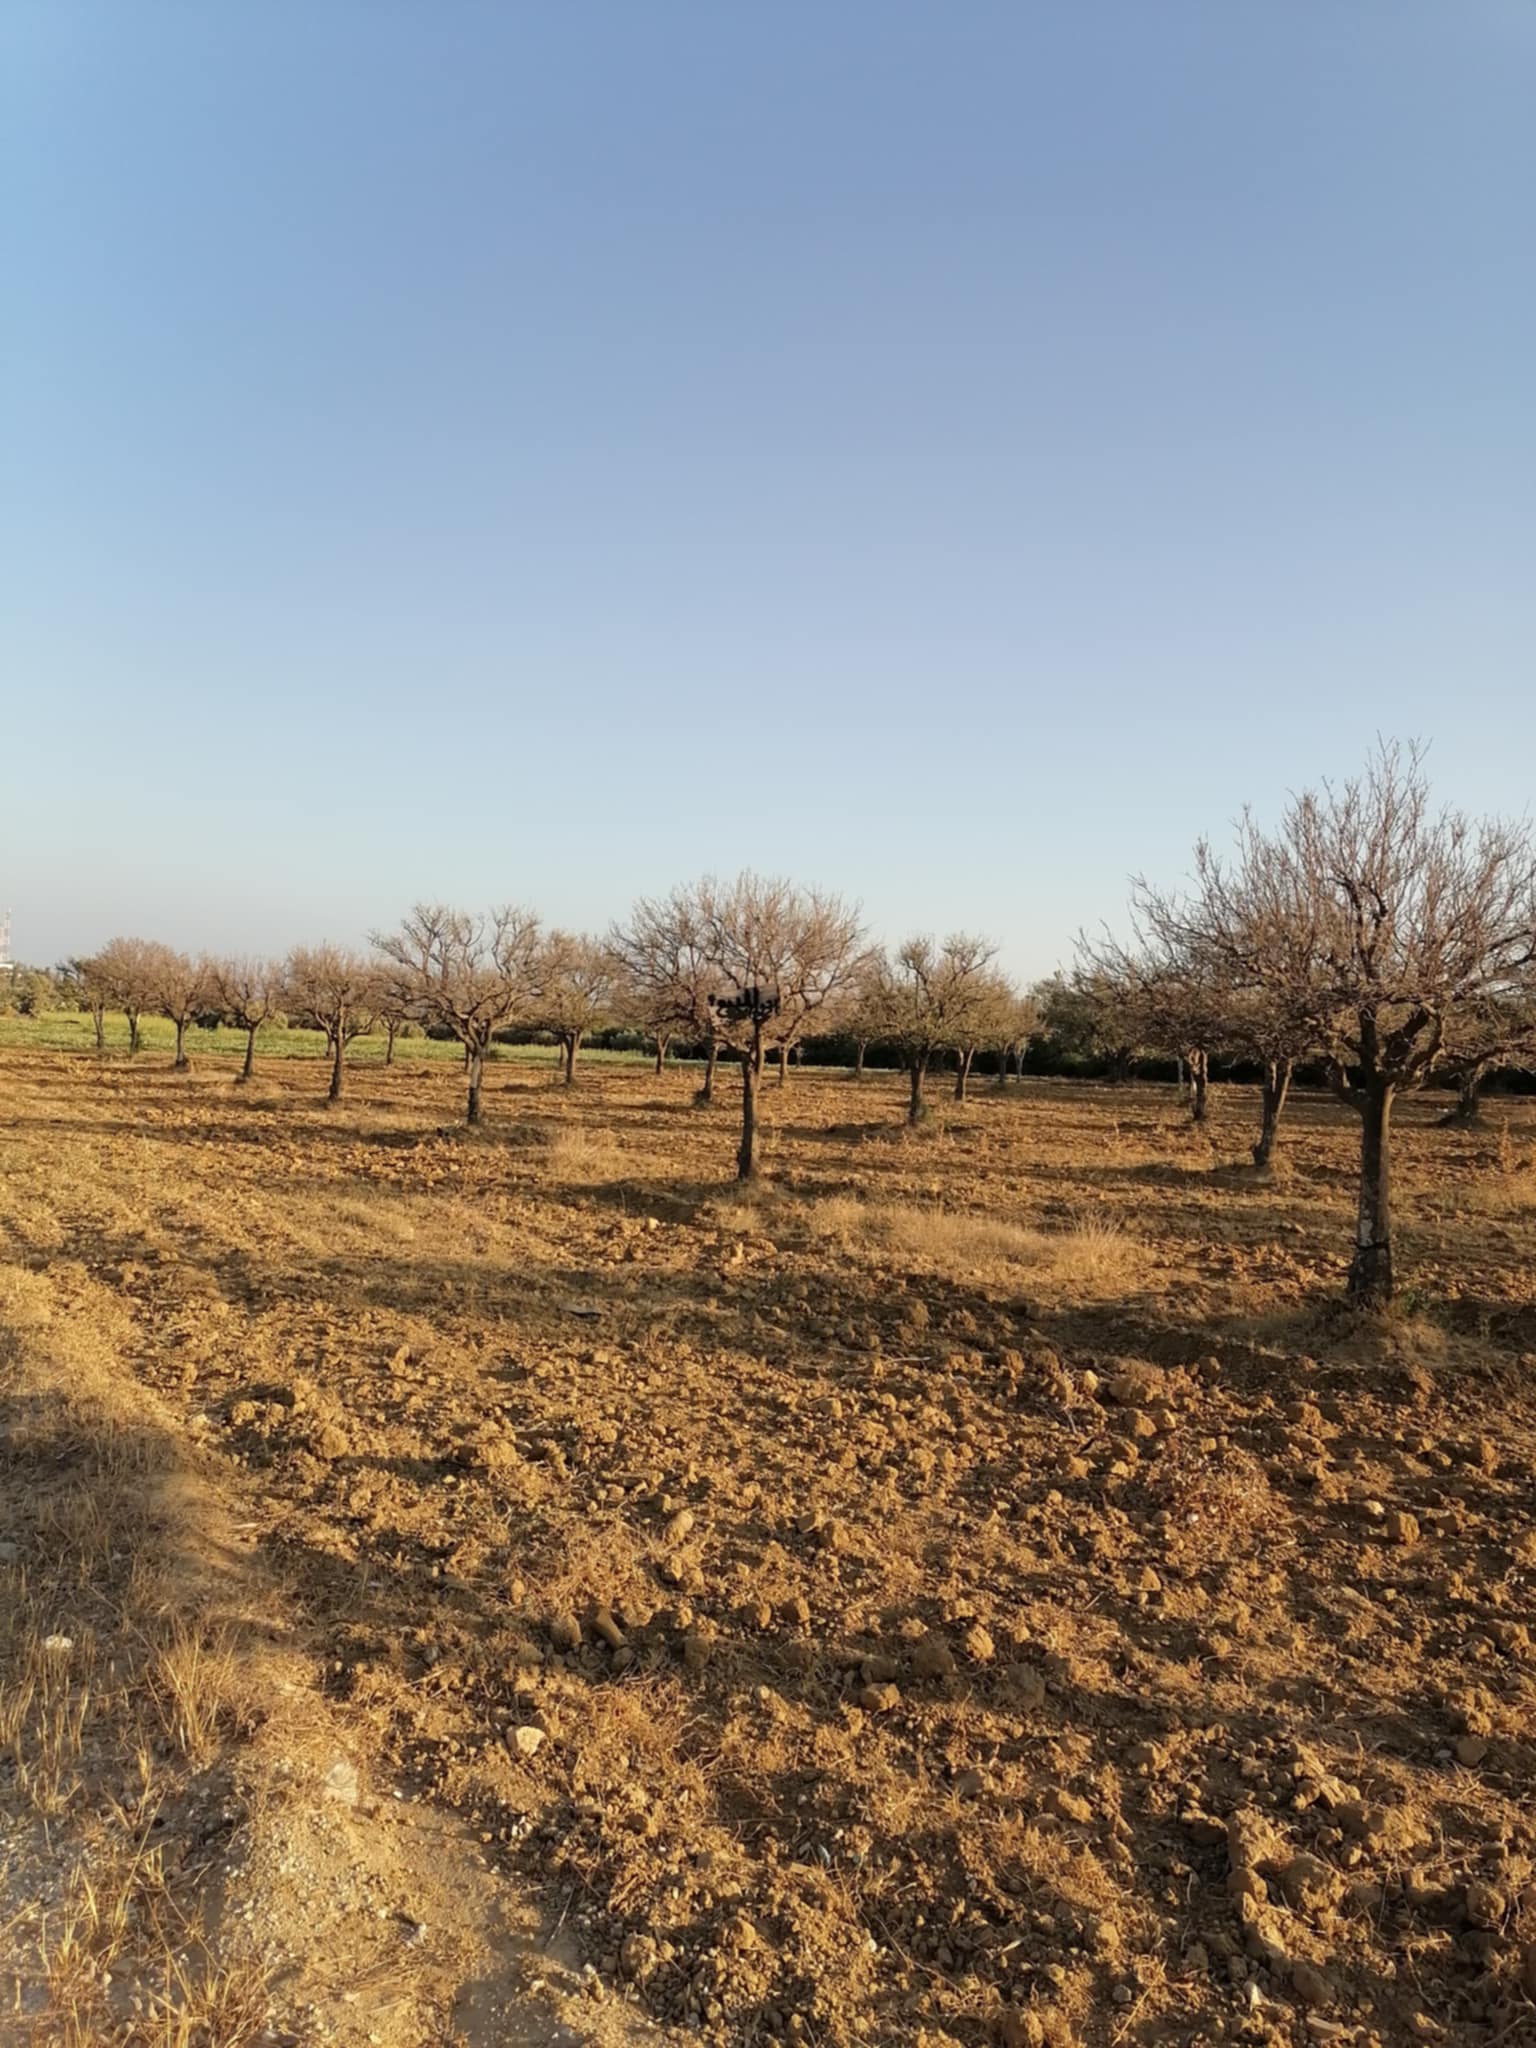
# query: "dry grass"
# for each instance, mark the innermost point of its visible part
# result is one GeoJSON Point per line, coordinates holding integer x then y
{"type": "Point", "coordinates": [110, 1706]}
{"type": "Point", "coordinates": [1092, 1255]}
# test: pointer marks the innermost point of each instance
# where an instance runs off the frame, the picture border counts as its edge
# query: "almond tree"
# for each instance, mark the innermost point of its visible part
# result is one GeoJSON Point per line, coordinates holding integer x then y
{"type": "Point", "coordinates": [1168, 991]}
{"type": "Point", "coordinates": [987, 1021]}
{"type": "Point", "coordinates": [469, 975]}
{"type": "Point", "coordinates": [248, 993]}
{"type": "Point", "coordinates": [1386, 931]}
{"type": "Point", "coordinates": [125, 968]}
{"type": "Point", "coordinates": [665, 979]}
{"type": "Point", "coordinates": [85, 982]}
{"type": "Point", "coordinates": [777, 957]}
{"type": "Point", "coordinates": [178, 989]}
{"type": "Point", "coordinates": [929, 999]}
{"type": "Point", "coordinates": [1092, 1013]}
{"type": "Point", "coordinates": [578, 980]}
{"type": "Point", "coordinates": [1502, 1034]}
{"type": "Point", "coordinates": [1246, 929]}
{"type": "Point", "coordinates": [333, 991]}
{"type": "Point", "coordinates": [865, 1004]}
{"type": "Point", "coordinates": [1018, 1021]}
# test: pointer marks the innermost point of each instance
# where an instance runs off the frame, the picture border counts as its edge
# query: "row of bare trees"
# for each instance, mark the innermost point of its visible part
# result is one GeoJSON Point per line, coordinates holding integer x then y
{"type": "Point", "coordinates": [750, 966]}
{"type": "Point", "coordinates": [462, 976]}
{"type": "Point", "coordinates": [1369, 932]}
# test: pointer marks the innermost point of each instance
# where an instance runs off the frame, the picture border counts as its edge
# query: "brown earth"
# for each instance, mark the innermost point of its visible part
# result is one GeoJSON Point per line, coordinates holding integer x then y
{"type": "Point", "coordinates": [975, 1586]}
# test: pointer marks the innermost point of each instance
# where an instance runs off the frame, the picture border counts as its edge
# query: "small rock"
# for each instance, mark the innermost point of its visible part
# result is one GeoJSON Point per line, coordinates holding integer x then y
{"type": "Point", "coordinates": [1135, 1384]}
{"type": "Point", "coordinates": [565, 1632]}
{"type": "Point", "coordinates": [340, 1782]}
{"type": "Point", "coordinates": [1401, 1527]}
{"type": "Point", "coordinates": [978, 1644]}
{"type": "Point", "coordinates": [879, 1699]}
{"type": "Point", "coordinates": [1486, 1905]}
{"type": "Point", "coordinates": [1016, 2029]}
{"type": "Point", "coordinates": [604, 1625]}
{"type": "Point", "coordinates": [1026, 1686]}
{"type": "Point", "coordinates": [527, 1741]}
{"type": "Point", "coordinates": [1470, 1750]}
{"type": "Point", "coordinates": [1308, 1881]}
{"type": "Point", "coordinates": [933, 1658]}
{"type": "Point", "coordinates": [1310, 1985]}
{"type": "Point", "coordinates": [1069, 1805]}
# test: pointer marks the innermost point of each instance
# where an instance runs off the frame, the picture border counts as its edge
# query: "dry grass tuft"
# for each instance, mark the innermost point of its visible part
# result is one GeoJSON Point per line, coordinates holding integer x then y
{"type": "Point", "coordinates": [1093, 1253]}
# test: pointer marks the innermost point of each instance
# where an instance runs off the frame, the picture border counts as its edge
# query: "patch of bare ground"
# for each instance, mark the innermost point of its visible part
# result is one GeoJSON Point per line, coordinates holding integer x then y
{"type": "Point", "coordinates": [972, 1587]}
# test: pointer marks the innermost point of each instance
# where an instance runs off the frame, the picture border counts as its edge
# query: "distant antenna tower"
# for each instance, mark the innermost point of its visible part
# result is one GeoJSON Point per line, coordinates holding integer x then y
{"type": "Point", "coordinates": [5, 943]}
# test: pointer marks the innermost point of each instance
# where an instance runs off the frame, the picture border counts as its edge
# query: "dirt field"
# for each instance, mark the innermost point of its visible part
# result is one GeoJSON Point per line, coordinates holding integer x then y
{"type": "Point", "coordinates": [975, 1587]}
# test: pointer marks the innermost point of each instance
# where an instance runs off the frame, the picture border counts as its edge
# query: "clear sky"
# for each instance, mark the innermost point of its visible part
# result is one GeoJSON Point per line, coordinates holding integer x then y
{"type": "Point", "coordinates": [954, 453]}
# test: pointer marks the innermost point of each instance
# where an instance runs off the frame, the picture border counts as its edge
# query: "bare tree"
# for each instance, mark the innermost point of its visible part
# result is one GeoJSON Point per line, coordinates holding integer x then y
{"type": "Point", "coordinates": [666, 979]}
{"type": "Point", "coordinates": [248, 993]}
{"type": "Point", "coordinates": [986, 1021]}
{"type": "Point", "coordinates": [1093, 1014]}
{"type": "Point", "coordinates": [865, 1004]}
{"type": "Point", "coordinates": [1247, 930]}
{"type": "Point", "coordinates": [578, 980]}
{"type": "Point", "coordinates": [178, 988]}
{"type": "Point", "coordinates": [83, 980]}
{"type": "Point", "coordinates": [777, 957]}
{"type": "Point", "coordinates": [334, 991]}
{"type": "Point", "coordinates": [1017, 1022]}
{"type": "Point", "coordinates": [1497, 1033]}
{"type": "Point", "coordinates": [396, 1003]}
{"type": "Point", "coordinates": [1166, 990]}
{"type": "Point", "coordinates": [1386, 931]}
{"type": "Point", "coordinates": [125, 968]}
{"type": "Point", "coordinates": [929, 999]}
{"type": "Point", "coordinates": [469, 975]}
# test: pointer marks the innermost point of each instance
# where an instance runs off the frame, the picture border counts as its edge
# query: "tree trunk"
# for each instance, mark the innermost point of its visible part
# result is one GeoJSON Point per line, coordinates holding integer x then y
{"type": "Point", "coordinates": [99, 1019]}
{"type": "Point", "coordinates": [391, 1026]}
{"type": "Point", "coordinates": [249, 1068]}
{"type": "Point", "coordinates": [751, 1073]}
{"type": "Point", "coordinates": [1370, 1272]}
{"type": "Point", "coordinates": [916, 1110]}
{"type": "Point", "coordinates": [783, 1065]}
{"type": "Point", "coordinates": [711, 1055]}
{"type": "Point", "coordinates": [1002, 1067]}
{"type": "Point", "coordinates": [1199, 1078]}
{"type": "Point", "coordinates": [474, 1059]}
{"type": "Point", "coordinates": [962, 1074]}
{"type": "Point", "coordinates": [1276, 1086]}
{"type": "Point", "coordinates": [861, 1046]}
{"type": "Point", "coordinates": [1468, 1107]}
{"type": "Point", "coordinates": [133, 1032]}
{"type": "Point", "coordinates": [661, 1052]}
{"type": "Point", "coordinates": [1119, 1067]}
{"type": "Point", "coordinates": [338, 1047]}
{"type": "Point", "coordinates": [181, 1062]}
{"type": "Point", "coordinates": [572, 1047]}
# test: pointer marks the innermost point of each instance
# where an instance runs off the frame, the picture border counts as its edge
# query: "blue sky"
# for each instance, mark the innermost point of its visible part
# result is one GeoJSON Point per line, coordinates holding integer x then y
{"type": "Point", "coordinates": [952, 453]}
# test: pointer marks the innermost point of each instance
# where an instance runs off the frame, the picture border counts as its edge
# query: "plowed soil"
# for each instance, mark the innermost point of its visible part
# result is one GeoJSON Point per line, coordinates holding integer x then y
{"type": "Point", "coordinates": [974, 1586]}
